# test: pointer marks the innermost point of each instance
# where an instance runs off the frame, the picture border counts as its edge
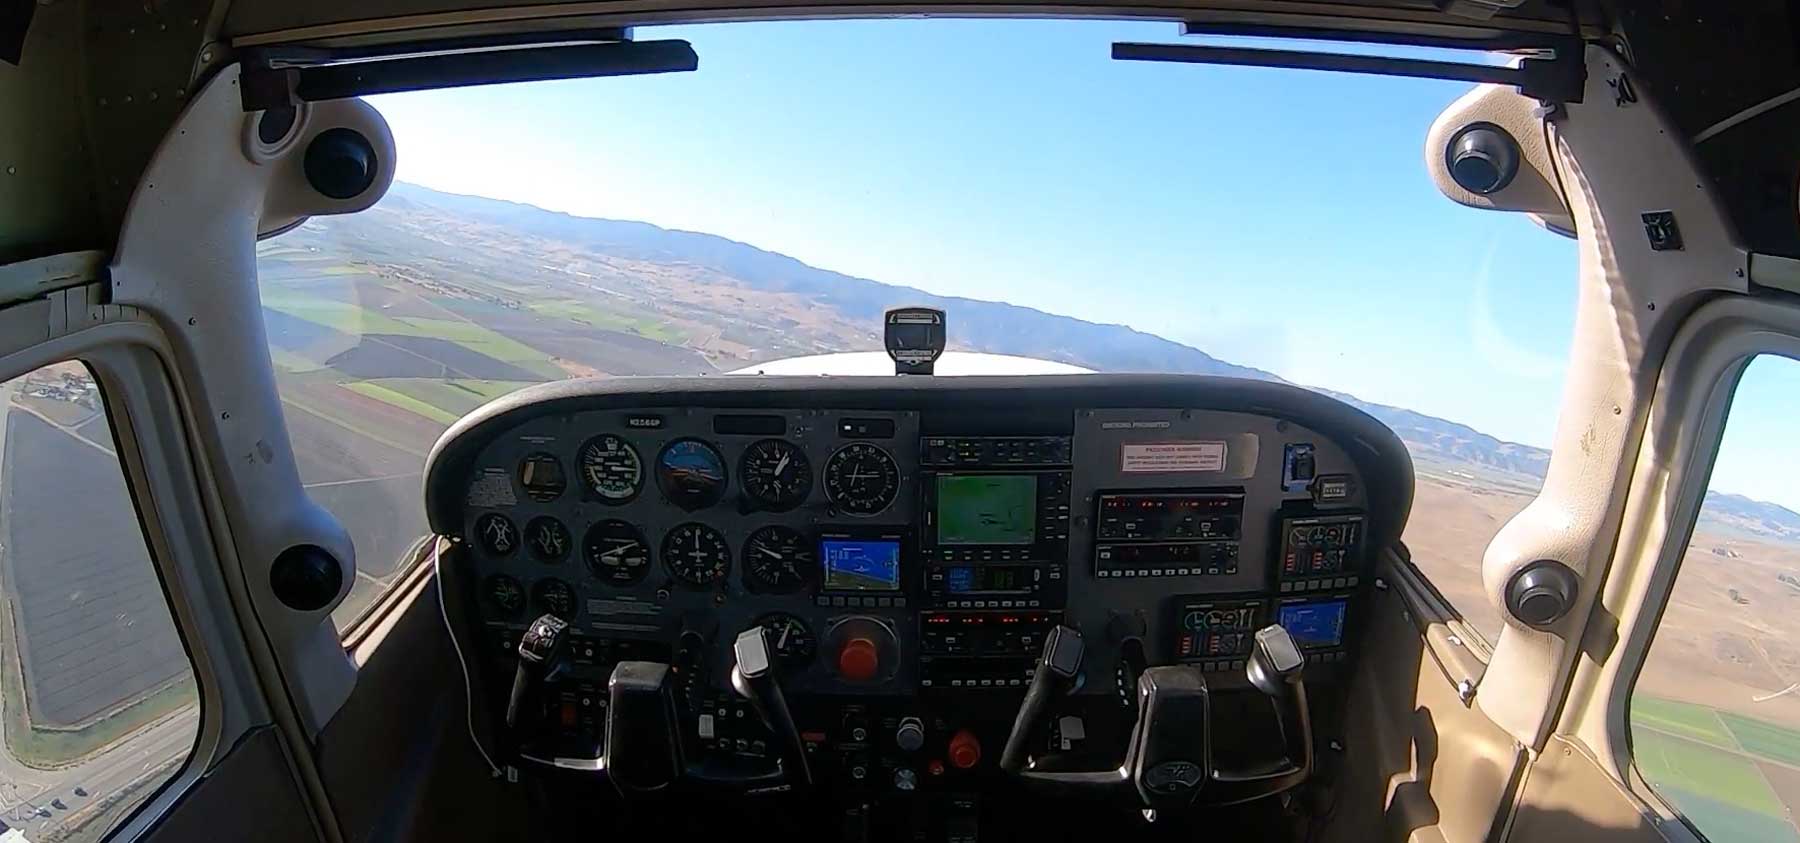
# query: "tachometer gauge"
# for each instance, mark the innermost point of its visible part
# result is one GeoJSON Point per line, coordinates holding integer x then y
{"type": "Point", "coordinates": [547, 539]}
{"type": "Point", "coordinates": [776, 474]}
{"type": "Point", "coordinates": [696, 554]}
{"type": "Point", "coordinates": [861, 478]}
{"type": "Point", "coordinates": [792, 644]}
{"type": "Point", "coordinates": [691, 474]}
{"type": "Point", "coordinates": [506, 594]}
{"type": "Point", "coordinates": [778, 558]}
{"type": "Point", "coordinates": [616, 552]}
{"type": "Point", "coordinates": [610, 469]}
{"type": "Point", "coordinates": [555, 597]}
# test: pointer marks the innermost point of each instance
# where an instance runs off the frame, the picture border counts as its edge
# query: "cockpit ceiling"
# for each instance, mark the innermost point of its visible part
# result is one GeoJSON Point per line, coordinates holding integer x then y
{"type": "Point", "coordinates": [251, 22]}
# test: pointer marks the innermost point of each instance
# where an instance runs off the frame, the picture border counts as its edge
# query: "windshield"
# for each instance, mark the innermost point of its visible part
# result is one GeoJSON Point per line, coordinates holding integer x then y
{"type": "Point", "coordinates": [1058, 205]}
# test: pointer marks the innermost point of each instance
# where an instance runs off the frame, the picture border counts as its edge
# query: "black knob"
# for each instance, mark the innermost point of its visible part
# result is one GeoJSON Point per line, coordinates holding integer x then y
{"type": "Point", "coordinates": [1483, 158]}
{"type": "Point", "coordinates": [306, 578]}
{"type": "Point", "coordinates": [1541, 593]}
{"type": "Point", "coordinates": [910, 736]}
{"type": "Point", "coordinates": [340, 163]}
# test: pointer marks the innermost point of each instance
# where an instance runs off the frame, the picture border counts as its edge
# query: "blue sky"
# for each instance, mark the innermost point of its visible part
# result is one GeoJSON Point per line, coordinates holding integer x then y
{"type": "Point", "coordinates": [1277, 219]}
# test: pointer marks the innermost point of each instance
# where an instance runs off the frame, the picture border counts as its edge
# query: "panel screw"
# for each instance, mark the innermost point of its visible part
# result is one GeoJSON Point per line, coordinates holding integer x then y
{"type": "Point", "coordinates": [193, 321]}
{"type": "Point", "coordinates": [206, 55]}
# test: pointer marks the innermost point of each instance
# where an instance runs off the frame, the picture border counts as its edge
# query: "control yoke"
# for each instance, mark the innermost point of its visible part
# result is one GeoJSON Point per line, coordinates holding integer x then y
{"type": "Point", "coordinates": [1168, 763]}
{"type": "Point", "coordinates": [644, 748]}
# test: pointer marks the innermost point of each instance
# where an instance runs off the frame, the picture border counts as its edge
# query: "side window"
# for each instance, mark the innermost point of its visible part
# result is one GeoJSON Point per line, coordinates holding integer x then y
{"type": "Point", "coordinates": [379, 345]}
{"type": "Point", "coordinates": [1715, 714]}
{"type": "Point", "coordinates": [98, 707]}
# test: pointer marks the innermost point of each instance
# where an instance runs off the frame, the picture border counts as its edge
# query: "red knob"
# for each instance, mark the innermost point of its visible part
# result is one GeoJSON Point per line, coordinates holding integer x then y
{"type": "Point", "coordinates": [965, 749]}
{"type": "Point", "coordinates": [859, 660]}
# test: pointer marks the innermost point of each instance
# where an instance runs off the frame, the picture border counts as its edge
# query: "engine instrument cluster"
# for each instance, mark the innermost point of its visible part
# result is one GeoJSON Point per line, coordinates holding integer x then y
{"type": "Point", "coordinates": [908, 543]}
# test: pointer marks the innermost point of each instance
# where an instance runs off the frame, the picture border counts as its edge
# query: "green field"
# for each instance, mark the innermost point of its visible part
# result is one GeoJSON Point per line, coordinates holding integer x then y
{"type": "Point", "coordinates": [1764, 740]}
{"type": "Point", "coordinates": [1696, 722]}
{"type": "Point", "coordinates": [357, 320]}
{"type": "Point", "coordinates": [442, 401]}
{"type": "Point", "coordinates": [388, 395]}
{"type": "Point", "coordinates": [588, 314]}
{"type": "Point", "coordinates": [1723, 823]}
{"type": "Point", "coordinates": [288, 361]}
{"type": "Point", "coordinates": [1703, 761]}
{"type": "Point", "coordinates": [1668, 761]}
{"type": "Point", "coordinates": [348, 317]}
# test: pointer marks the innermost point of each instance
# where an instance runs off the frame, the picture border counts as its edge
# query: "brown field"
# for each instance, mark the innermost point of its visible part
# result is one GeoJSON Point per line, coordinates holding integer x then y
{"type": "Point", "coordinates": [1711, 649]}
{"type": "Point", "coordinates": [1452, 522]}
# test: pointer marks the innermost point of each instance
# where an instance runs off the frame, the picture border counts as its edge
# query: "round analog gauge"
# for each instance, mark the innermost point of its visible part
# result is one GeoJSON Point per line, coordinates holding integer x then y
{"type": "Point", "coordinates": [691, 474]}
{"type": "Point", "coordinates": [861, 478]}
{"type": "Point", "coordinates": [496, 534]}
{"type": "Point", "coordinates": [506, 594]}
{"type": "Point", "coordinates": [696, 554]}
{"type": "Point", "coordinates": [616, 552]}
{"type": "Point", "coordinates": [555, 597]}
{"type": "Point", "coordinates": [547, 539]}
{"type": "Point", "coordinates": [790, 642]}
{"type": "Point", "coordinates": [541, 476]}
{"type": "Point", "coordinates": [779, 558]}
{"type": "Point", "coordinates": [610, 469]}
{"type": "Point", "coordinates": [776, 474]}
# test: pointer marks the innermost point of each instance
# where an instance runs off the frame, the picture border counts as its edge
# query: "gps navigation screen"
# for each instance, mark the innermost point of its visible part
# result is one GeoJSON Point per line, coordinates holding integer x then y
{"type": "Point", "coordinates": [986, 509]}
{"type": "Point", "coordinates": [1315, 624]}
{"type": "Point", "coordinates": [861, 565]}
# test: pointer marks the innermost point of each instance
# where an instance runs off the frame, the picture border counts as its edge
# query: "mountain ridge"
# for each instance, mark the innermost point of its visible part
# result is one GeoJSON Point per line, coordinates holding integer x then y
{"type": "Point", "coordinates": [1008, 328]}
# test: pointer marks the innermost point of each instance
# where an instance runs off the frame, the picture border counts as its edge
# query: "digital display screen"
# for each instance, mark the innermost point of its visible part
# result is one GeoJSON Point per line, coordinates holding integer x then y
{"type": "Point", "coordinates": [965, 579]}
{"type": "Point", "coordinates": [857, 565]}
{"type": "Point", "coordinates": [1315, 625]}
{"type": "Point", "coordinates": [986, 509]}
{"type": "Point", "coordinates": [1217, 627]}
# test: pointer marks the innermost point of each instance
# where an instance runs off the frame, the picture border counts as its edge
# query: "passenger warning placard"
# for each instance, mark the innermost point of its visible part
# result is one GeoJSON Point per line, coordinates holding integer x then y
{"type": "Point", "coordinates": [1163, 457]}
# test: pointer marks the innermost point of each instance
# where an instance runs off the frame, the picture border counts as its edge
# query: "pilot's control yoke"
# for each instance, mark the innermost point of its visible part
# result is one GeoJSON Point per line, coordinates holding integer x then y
{"type": "Point", "coordinates": [1168, 763]}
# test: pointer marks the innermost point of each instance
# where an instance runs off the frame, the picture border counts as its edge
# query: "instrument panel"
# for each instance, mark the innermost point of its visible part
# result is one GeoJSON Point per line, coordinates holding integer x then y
{"type": "Point", "coordinates": [909, 541]}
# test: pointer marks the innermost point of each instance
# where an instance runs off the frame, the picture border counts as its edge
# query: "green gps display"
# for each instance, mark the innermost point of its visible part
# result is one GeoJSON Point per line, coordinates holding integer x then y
{"type": "Point", "coordinates": [986, 509]}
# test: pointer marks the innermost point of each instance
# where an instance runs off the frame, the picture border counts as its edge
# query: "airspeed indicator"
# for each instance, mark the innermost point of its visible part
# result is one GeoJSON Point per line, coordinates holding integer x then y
{"type": "Point", "coordinates": [610, 469]}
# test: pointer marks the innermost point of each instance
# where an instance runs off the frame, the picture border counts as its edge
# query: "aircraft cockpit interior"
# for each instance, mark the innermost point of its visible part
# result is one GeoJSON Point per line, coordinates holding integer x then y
{"type": "Point", "coordinates": [430, 420]}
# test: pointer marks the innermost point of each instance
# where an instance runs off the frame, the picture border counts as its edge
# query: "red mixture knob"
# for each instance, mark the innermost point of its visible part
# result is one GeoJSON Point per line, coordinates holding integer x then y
{"type": "Point", "coordinates": [965, 749]}
{"type": "Point", "coordinates": [859, 660]}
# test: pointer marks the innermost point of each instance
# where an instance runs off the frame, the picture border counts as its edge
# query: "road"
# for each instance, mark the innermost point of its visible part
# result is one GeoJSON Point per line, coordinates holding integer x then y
{"type": "Point", "coordinates": [27, 795]}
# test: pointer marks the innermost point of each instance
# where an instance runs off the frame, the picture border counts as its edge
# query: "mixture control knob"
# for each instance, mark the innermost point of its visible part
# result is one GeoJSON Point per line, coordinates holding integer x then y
{"type": "Point", "coordinates": [965, 749]}
{"type": "Point", "coordinates": [859, 660]}
{"type": "Point", "coordinates": [910, 736]}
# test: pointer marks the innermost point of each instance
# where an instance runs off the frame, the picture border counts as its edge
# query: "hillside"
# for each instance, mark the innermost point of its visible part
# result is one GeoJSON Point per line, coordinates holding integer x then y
{"type": "Point", "coordinates": [635, 298]}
